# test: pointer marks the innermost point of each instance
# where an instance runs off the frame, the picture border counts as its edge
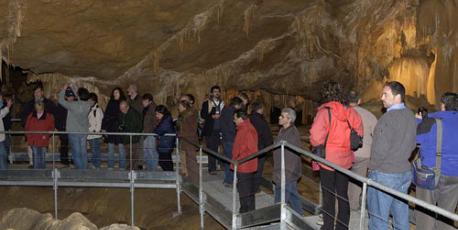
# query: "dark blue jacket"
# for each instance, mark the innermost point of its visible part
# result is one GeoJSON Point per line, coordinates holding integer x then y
{"type": "Point", "coordinates": [228, 128]}
{"type": "Point", "coordinates": [426, 137]}
{"type": "Point", "coordinates": [165, 126]}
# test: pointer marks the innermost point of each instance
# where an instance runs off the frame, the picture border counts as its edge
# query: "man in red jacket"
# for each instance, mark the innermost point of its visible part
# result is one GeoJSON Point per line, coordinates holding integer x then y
{"type": "Point", "coordinates": [245, 144]}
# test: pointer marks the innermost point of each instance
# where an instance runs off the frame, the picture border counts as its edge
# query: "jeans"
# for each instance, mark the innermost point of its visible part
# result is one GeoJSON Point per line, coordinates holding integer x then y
{"type": "Point", "coordinates": [335, 187]}
{"type": "Point", "coordinates": [261, 161]}
{"type": "Point", "coordinates": [228, 174]}
{"type": "Point", "coordinates": [95, 147]}
{"type": "Point", "coordinates": [291, 196]}
{"type": "Point", "coordinates": [445, 196]}
{"type": "Point", "coordinates": [150, 153]}
{"type": "Point", "coordinates": [3, 157]}
{"type": "Point", "coordinates": [39, 157]}
{"type": "Point", "coordinates": [165, 160]}
{"type": "Point", "coordinates": [380, 204]}
{"type": "Point", "coordinates": [79, 151]}
{"type": "Point", "coordinates": [122, 156]}
{"type": "Point", "coordinates": [213, 142]}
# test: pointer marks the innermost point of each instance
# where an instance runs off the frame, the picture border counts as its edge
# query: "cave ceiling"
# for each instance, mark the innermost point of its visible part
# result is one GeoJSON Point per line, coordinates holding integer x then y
{"type": "Point", "coordinates": [284, 47]}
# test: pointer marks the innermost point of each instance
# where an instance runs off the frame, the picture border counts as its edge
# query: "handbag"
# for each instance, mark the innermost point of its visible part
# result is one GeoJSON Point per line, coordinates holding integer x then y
{"type": "Point", "coordinates": [356, 141]}
{"type": "Point", "coordinates": [423, 176]}
{"type": "Point", "coordinates": [320, 150]}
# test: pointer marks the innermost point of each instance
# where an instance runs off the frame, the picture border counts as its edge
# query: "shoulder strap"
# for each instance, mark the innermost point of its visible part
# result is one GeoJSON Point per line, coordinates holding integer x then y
{"type": "Point", "coordinates": [327, 135]}
{"type": "Point", "coordinates": [438, 143]}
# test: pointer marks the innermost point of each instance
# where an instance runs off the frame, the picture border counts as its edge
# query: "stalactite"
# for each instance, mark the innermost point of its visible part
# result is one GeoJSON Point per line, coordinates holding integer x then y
{"type": "Point", "coordinates": [156, 60]}
{"type": "Point", "coordinates": [248, 16]}
{"type": "Point", "coordinates": [220, 11]}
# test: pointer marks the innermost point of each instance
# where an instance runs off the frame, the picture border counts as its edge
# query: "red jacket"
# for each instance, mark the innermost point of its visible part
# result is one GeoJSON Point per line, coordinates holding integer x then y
{"type": "Point", "coordinates": [45, 123]}
{"type": "Point", "coordinates": [338, 149]}
{"type": "Point", "coordinates": [245, 144]}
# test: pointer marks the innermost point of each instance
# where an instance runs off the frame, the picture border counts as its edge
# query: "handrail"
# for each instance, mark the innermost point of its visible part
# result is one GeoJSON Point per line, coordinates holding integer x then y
{"type": "Point", "coordinates": [207, 150]}
{"type": "Point", "coordinates": [372, 183]}
{"type": "Point", "coordinates": [88, 133]}
{"type": "Point", "coordinates": [259, 153]}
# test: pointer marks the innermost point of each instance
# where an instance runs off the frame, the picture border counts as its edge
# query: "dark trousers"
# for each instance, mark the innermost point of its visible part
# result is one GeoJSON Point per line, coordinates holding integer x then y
{"type": "Point", "coordinates": [165, 160]}
{"type": "Point", "coordinates": [63, 149]}
{"type": "Point", "coordinates": [334, 185]}
{"type": "Point", "coordinates": [137, 158]}
{"type": "Point", "coordinates": [246, 186]}
{"type": "Point", "coordinates": [213, 142]}
{"type": "Point", "coordinates": [261, 161]}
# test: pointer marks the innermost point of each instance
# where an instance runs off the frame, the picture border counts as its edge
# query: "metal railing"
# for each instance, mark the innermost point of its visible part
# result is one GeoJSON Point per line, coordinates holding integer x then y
{"type": "Point", "coordinates": [286, 214]}
{"type": "Point", "coordinates": [118, 179]}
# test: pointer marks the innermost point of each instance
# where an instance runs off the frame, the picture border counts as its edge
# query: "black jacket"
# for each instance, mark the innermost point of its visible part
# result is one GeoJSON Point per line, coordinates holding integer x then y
{"type": "Point", "coordinates": [207, 116]}
{"type": "Point", "coordinates": [262, 128]}
{"type": "Point", "coordinates": [60, 117]}
{"type": "Point", "coordinates": [110, 122]}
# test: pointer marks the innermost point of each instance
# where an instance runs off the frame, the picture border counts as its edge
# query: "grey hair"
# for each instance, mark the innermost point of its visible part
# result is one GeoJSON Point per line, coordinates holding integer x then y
{"type": "Point", "coordinates": [291, 114]}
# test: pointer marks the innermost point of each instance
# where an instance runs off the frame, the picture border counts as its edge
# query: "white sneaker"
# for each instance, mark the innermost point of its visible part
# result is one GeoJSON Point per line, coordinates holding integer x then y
{"type": "Point", "coordinates": [320, 220]}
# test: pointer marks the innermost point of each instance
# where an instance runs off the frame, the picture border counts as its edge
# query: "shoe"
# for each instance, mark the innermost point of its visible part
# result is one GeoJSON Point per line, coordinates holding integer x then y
{"type": "Point", "coordinates": [30, 167]}
{"type": "Point", "coordinates": [212, 173]}
{"type": "Point", "coordinates": [227, 185]}
{"type": "Point", "coordinates": [320, 220]}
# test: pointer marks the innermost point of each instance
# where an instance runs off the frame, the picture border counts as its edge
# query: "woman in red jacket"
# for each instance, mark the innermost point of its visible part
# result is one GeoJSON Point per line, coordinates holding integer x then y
{"type": "Point", "coordinates": [39, 120]}
{"type": "Point", "coordinates": [245, 144]}
{"type": "Point", "coordinates": [331, 128]}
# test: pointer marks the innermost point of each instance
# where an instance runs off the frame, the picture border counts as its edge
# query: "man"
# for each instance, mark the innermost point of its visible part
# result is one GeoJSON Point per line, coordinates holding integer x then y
{"type": "Point", "coordinates": [150, 153]}
{"type": "Point", "coordinates": [245, 144]}
{"type": "Point", "coordinates": [293, 164]}
{"type": "Point", "coordinates": [211, 114]}
{"type": "Point", "coordinates": [131, 122]}
{"type": "Point", "coordinates": [265, 138]}
{"type": "Point", "coordinates": [363, 154]}
{"type": "Point", "coordinates": [29, 107]}
{"type": "Point", "coordinates": [77, 121]}
{"type": "Point", "coordinates": [3, 154]}
{"type": "Point", "coordinates": [393, 143]}
{"type": "Point", "coordinates": [61, 120]}
{"type": "Point", "coordinates": [7, 123]}
{"type": "Point", "coordinates": [228, 131]}
{"type": "Point", "coordinates": [245, 100]}
{"type": "Point", "coordinates": [446, 194]}
{"type": "Point", "coordinates": [135, 100]}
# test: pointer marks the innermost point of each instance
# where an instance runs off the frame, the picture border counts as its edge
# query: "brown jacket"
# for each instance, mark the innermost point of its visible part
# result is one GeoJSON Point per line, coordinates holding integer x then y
{"type": "Point", "coordinates": [149, 119]}
{"type": "Point", "coordinates": [187, 125]}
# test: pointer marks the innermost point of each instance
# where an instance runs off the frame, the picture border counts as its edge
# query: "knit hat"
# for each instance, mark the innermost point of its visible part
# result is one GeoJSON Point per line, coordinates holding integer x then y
{"type": "Point", "coordinates": [69, 92]}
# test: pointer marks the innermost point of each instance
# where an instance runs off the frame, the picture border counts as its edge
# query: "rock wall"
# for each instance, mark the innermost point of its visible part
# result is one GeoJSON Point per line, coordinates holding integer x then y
{"type": "Point", "coordinates": [280, 47]}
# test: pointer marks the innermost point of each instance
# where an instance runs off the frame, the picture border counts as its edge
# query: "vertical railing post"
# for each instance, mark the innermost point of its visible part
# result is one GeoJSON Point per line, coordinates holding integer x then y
{"type": "Point", "coordinates": [283, 184]}
{"type": "Point", "coordinates": [132, 177]}
{"type": "Point", "coordinates": [178, 181]}
{"type": "Point", "coordinates": [201, 192]}
{"type": "Point", "coordinates": [363, 206]}
{"type": "Point", "coordinates": [55, 175]}
{"type": "Point", "coordinates": [234, 197]}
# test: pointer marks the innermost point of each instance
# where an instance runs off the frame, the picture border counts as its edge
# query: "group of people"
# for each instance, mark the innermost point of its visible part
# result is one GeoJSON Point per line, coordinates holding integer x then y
{"type": "Point", "coordinates": [241, 130]}
{"type": "Point", "coordinates": [387, 148]}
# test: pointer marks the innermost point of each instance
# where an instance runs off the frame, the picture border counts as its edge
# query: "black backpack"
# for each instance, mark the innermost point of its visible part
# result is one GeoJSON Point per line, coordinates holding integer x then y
{"type": "Point", "coordinates": [356, 141]}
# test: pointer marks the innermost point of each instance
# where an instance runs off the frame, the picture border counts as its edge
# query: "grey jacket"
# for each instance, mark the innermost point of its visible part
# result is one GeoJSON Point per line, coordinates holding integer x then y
{"type": "Point", "coordinates": [393, 142]}
{"type": "Point", "coordinates": [293, 162]}
{"type": "Point", "coordinates": [369, 123]}
{"type": "Point", "coordinates": [78, 111]}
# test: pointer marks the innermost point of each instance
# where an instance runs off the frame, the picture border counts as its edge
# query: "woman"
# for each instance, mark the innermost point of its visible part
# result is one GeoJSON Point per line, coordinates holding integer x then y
{"type": "Point", "coordinates": [39, 120]}
{"type": "Point", "coordinates": [95, 125]}
{"type": "Point", "coordinates": [187, 128]}
{"type": "Point", "coordinates": [331, 129]}
{"type": "Point", "coordinates": [110, 123]}
{"type": "Point", "coordinates": [166, 143]}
